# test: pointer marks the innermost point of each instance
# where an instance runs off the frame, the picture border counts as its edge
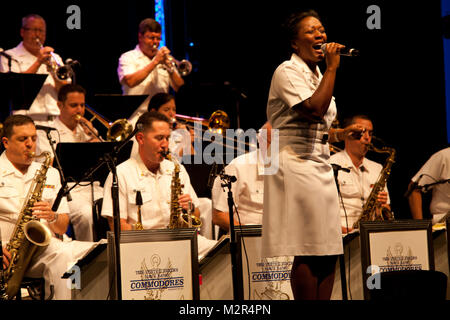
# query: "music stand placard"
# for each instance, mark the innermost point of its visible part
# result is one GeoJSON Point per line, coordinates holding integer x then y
{"type": "Point", "coordinates": [261, 278]}
{"type": "Point", "coordinates": [157, 264]}
{"type": "Point", "coordinates": [395, 246]}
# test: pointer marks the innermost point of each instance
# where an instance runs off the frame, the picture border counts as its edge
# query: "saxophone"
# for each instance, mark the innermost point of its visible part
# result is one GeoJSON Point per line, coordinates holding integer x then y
{"type": "Point", "coordinates": [372, 206]}
{"type": "Point", "coordinates": [29, 234]}
{"type": "Point", "coordinates": [178, 218]}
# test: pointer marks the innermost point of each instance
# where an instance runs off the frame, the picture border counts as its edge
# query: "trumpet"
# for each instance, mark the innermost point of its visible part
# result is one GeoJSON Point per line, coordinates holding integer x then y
{"type": "Point", "coordinates": [184, 67]}
{"type": "Point", "coordinates": [117, 130]}
{"type": "Point", "coordinates": [60, 71]}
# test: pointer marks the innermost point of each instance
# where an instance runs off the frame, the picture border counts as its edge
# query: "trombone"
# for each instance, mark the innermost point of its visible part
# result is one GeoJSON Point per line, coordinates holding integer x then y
{"type": "Point", "coordinates": [218, 122]}
{"type": "Point", "coordinates": [117, 130]}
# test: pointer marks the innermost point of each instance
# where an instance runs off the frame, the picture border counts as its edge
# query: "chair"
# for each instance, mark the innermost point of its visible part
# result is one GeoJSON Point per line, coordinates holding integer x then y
{"type": "Point", "coordinates": [101, 226]}
{"type": "Point", "coordinates": [411, 284]}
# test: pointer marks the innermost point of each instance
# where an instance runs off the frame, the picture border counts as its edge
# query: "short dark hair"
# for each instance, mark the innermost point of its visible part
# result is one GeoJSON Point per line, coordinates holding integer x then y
{"type": "Point", "coordinates": [147, 119]}
{"type": "Point", "coordinates": [12, 121]}
{"type": "Point", "coordinates": [149, 24]}
{"type": "Point", "coordinates": [292, 24]}
{"type": "Point", "coordinates": [158, 100]}
{"type": "Point", "coordinates": [351, 119]}
{"type": "Point", "coordinates": [68, 88]}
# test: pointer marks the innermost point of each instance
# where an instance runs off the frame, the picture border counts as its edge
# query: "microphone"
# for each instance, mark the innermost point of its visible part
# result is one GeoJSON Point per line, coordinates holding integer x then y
{"type": "Point", "coordinates": [227, 177]}
{"type": "Point", "coordinates": [212, 175]}
{"type": "Point", "coordinates": [337, 167]}
{"type": "Point", "coordinates": [48, 129]}
{"type": "Point", "coordinates": [7, 56]}
{"type": "Point", "coordinates": [412, 187]}
{"type": "Point", "coordinates": [349, 52]}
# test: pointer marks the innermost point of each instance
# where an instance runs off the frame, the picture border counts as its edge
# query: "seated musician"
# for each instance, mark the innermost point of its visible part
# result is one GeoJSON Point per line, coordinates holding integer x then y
{"type": "Point", "coordinates": [17, 172]}
{"type": "Point", "coordinates": [71, 126]}
{"type": "Point", "coordinates": [151, 175]}
{"type": "Point", "coordinates": [356, 186]}
{"type": "Point", "coordinates": [248, 190]}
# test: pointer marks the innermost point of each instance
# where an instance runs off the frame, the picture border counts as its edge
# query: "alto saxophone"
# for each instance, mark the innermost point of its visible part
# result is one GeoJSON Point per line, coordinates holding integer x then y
{"type": "Point", "coordinates": [179, 219]}
{"type": "Point", "coordinates": [29, 234]}
{"type": "Point", "coordinates": [372, 210]}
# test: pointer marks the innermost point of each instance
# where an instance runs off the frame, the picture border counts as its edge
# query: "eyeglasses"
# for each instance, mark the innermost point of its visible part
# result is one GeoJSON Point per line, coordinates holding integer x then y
{"type": "Point", "coordinates": [153, 38]}
{"type": "Point", "coordinates": [37, 30]}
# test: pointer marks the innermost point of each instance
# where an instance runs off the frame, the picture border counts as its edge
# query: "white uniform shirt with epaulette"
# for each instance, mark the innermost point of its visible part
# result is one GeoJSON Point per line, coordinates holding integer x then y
{"type": "Point", "coordinates": [14, 188]}
{"type": "Point", "coordinates": [155, 190]}
{"type": "Point", "coordinates": [355, 186]}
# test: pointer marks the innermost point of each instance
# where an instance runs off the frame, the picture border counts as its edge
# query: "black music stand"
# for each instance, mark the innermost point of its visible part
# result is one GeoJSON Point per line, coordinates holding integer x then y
{"type": "Point", "coordinates": [18, 91]}
{"type": "Point", "coordinates": [77, 158]}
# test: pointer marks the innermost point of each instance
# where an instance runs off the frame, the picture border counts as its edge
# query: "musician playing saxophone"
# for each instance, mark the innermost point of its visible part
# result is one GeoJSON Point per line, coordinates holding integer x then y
{"type": "Point", "coordinates": [17, 171]}
{"type": "Point", "coordinates": [355, 186]}
{"type": "Point", "coordinates": [151, 174]}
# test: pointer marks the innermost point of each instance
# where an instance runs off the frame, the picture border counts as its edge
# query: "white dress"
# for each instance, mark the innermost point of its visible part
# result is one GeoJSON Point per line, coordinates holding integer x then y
{"type": "Point", "coordinates": [301, 208]}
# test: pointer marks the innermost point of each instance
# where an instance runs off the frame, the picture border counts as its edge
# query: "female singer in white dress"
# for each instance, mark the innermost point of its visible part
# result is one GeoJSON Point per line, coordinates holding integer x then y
{"type": "Point", "coordinates": [301, 208]}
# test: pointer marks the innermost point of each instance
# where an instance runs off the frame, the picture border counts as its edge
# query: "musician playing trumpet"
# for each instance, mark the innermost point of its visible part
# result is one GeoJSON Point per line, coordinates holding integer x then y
{"type": "Point", "coordinates": [31, 56]}
{"type": "Point", "coordinates": [71, 126]}
{"type": "Point", "coordinates": [147, 69]}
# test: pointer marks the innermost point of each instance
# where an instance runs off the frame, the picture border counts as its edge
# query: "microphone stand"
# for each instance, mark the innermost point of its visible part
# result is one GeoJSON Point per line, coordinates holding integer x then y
{"type": "Point", "coordinates": [227, 181]}
{"type": "Point", "coordinates": [425, 188]}
{"type": "Point", "coordinates": [341, 256]}
{"type": "Point", "coordinates": [110, 159]}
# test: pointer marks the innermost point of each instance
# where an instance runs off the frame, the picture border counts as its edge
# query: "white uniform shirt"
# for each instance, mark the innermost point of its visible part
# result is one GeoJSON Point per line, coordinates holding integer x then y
{"type": "Point", "coordinates": [63, 134]}
{"type": "Point", "coordinates": [46, 100]}
{"type": "Point", "coordinates": [155, 189]}
{"type": "Point", "coordinates": [355, 186]}
{"type": "Point", "coordinates": [14, 188]}
{"type": "Point", "coordinates": [157, 81]}
{"type": "Point", "coordinates": [301, 208]}
{"type": "Point", "coordinates": [248, 190]}
{"type": "Point", "coordinates": [435, 169]}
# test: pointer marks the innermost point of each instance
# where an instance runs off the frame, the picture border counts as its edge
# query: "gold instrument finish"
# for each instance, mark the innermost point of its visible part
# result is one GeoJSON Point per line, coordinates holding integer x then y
{"type": "Point", "coordinates": [178, 219]}
{"type": "Point", "coordinates": [29, 234]}
{"type": "Point", "coordinates": [217, 122]}
{"type": "Point", "coordinates": [372, 210]}
{"type": "Point", "coordinates": [118, 131]}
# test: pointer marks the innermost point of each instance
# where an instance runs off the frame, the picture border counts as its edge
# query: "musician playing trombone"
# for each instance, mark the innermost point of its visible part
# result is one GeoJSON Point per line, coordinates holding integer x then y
{"type": "Point", "coordinates": [31, 56]}
{"type": "Point", "coordinates": [71, 126]}
{"type": "Point", "coordinates": [146, 69]}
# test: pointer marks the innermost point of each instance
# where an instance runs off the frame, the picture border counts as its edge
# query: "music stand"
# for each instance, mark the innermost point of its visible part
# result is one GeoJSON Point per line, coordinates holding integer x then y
{"type": "Point", "coordinates": [77, 158]}
{"type": "Point", "coordinates": [18, 91]}
{"type": "Point", "coordinates": [117, 106]}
